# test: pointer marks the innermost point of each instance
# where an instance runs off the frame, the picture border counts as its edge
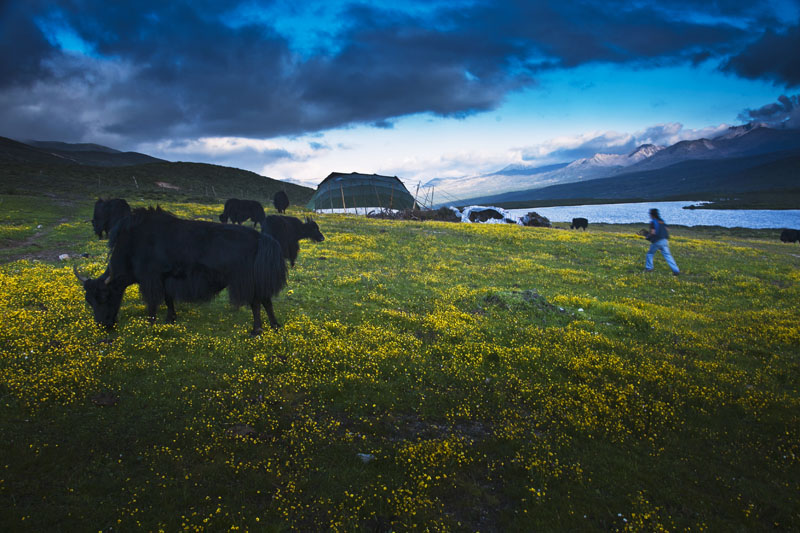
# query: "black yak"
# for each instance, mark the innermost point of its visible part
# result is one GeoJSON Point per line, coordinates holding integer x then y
{"type": "Point", "coordinates": [172, 259]}
{"type": "Point", "coordinates": [790, 235]}
{"type": "Point", "coordinates": [288, 231]}
{"type": "Point", "coordinates": [107, 213]}
{"type": "Point", "coordinates": [280, 201]}
{"type": "Point", "coordinates": [237, 211]}
{"type": "Point", "coordinates": [579, 222]}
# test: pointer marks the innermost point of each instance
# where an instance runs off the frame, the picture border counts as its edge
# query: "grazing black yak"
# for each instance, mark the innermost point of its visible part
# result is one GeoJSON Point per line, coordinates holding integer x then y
{"type": "Point", "coordinates": [579, 222]}
{"type": "Point", "coordinates": [107, 213]}
{"type": "Point", "coordinates": [240, 210]}
{"type": "Point", "coordinates": [186, 260]}
{"type": "Point", "coordinates": [280, 201]}
{"type": "Point", "coordinates": [790, 235]}
{"type": "Point", "coordinates": [288, 231]}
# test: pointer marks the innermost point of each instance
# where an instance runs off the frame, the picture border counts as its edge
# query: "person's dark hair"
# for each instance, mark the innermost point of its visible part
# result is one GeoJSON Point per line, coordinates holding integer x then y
{"type": "Point", "coordinates": [655, 214]}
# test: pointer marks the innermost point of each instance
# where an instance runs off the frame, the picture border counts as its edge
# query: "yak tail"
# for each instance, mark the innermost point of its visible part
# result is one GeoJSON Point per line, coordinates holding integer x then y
{"type": "Point", "coordinates": [269, 270]}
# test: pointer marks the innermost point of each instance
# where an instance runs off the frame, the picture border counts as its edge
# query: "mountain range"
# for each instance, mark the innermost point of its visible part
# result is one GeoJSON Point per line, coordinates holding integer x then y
{"type": "Point", "coordinates": [745, 158]}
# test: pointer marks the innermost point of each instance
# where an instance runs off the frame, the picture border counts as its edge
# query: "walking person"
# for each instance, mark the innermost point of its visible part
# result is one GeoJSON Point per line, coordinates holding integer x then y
{"type": "Point", "coordinates": [658, 237]}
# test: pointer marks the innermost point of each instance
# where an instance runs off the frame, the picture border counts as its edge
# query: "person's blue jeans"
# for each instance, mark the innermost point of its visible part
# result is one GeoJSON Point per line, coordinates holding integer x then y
{"type": "Point", "coordinates": [663, 246]}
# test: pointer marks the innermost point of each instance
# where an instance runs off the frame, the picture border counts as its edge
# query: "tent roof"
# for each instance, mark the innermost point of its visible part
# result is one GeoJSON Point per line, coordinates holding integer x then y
{"type": "Point", "coordinates": [357, 176]}
{"type": "Point", "coordinates": [360, 190]}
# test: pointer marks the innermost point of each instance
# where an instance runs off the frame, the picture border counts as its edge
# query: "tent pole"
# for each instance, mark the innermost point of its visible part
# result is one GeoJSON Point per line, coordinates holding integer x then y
{"type": "Point", "coordinates": [344, 206]}
{"type": "Point", "coordinates": [377, 196]}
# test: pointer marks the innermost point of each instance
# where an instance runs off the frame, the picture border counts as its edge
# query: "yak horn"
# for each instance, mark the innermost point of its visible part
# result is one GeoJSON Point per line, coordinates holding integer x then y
{"type": "Point", "coordinates": [82, 279]}
{"type": "Point", "coordinates": [108, 279]}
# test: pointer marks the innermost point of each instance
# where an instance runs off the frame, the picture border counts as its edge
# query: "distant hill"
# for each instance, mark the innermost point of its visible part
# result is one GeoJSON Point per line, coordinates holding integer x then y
{"type": "Point", "coordinates": [80, 171]}
{"type": "Point", "coordinates": [753, 142]}
{"type": "Point", "coordinates": [53, 152]}
{"type": "Point", "coordinates": [71, 147]}
{"type": "Point", "coordinates": [737, 142]}
{"type": "Point", "coordinates": [744, 159]}
{"type": "Point", "coordinates": [692, 179]}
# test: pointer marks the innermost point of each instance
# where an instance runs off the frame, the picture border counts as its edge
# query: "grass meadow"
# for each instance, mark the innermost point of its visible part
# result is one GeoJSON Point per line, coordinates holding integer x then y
{"type": "Point", "coordinates": [428, 376]}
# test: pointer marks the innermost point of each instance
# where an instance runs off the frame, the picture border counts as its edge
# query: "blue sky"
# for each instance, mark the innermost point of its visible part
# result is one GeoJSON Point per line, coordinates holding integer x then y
{"type": "Point", "coordinates": [295, 90]}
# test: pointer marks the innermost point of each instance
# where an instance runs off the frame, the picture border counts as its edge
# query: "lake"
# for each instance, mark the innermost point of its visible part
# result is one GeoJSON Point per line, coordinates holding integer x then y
{"type": "Point", "coordinates": [671, 212]}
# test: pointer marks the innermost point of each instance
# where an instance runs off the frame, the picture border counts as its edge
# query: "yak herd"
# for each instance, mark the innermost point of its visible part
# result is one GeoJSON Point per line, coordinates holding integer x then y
{"type": "Point", "coordinates": [173, 259]}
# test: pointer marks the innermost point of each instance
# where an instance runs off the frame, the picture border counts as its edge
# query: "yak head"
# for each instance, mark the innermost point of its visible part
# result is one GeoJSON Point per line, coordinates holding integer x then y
{"type": "Point", "coordinates": [102, 296]}
{"type": "Point", "coordinates": [98, 217]}
{"type": "Point", "coordinates": [97, 226]}
{"type": "Point", "coordinates": [311, 231]}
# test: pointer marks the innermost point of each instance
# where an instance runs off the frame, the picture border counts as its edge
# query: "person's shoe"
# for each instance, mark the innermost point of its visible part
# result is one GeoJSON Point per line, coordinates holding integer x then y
{"type": "Point", "coordinates": [648, 270]}
{"type": "Point", "coordinates": [676, 273]}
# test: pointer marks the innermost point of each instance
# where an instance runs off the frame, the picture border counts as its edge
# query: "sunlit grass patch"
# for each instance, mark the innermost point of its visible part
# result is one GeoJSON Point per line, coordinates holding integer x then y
{"type": "Point", "coordinates": [16, 231]}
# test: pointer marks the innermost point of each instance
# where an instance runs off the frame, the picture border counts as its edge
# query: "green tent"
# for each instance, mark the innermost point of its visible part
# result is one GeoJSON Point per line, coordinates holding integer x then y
{"type": "Point", "coordinates": [359, 191]}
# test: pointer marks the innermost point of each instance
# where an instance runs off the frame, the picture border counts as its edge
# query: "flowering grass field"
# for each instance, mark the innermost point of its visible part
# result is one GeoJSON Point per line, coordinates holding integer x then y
{"type": "Point", "coordinates": [449, 377]}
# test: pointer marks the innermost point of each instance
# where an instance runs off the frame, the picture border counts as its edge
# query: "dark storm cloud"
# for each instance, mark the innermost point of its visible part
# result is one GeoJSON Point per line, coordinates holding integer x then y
{"type": "Point", "coordinates": [157, 70]}
{"type": "Point", "coordinates": [773, 57]}
{"type": "Point", "coordinates": [22, 44]}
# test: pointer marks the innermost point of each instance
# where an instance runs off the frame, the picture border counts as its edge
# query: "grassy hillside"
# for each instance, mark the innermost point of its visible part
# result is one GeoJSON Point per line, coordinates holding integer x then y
{"type": "Point", "coordinates": [153, 182]}
{"type": "Point", "coordinates": [452, 377]}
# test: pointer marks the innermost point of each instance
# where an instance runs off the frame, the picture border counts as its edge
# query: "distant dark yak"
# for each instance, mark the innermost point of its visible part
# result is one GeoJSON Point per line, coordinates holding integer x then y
{"type": "Point", "coordinates": [107, 213]}
{"type": "Point", "coordinates": [237, 211]}
{"type": "Point", "coordinates": [579, 222]}
{"type": "Point", "coordinates": [172, 259]}
{"type": "Point", "coordinates": [483, 215]}
{"type": "Point", "coordinates": [288, 231]}
{"type": "Point", "coordinates": [280, 201]}
{"type": "Point", "coordinates": [790, 235]}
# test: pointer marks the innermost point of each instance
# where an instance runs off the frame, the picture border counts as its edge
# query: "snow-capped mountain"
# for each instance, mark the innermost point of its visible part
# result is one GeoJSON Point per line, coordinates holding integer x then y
{"type": "Point", "coordinates": [517, 177]}
{"type": "Point", "coordinates": [739, 141]}
{"type": "Point", "coordinates": [738, 131]}
{"type": "Point", "coordinates": [617, 160]}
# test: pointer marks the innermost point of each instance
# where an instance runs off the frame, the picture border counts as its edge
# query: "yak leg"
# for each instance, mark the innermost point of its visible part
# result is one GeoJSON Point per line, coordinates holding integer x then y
{"type": "Point", "coordinates": [270, 313]}
{"type": "Point", "coordinates": [171, 316]}
{"type": "Point", "coordinates": [152, 309]}
{"type": "Point", "coordinates": [257, 324]}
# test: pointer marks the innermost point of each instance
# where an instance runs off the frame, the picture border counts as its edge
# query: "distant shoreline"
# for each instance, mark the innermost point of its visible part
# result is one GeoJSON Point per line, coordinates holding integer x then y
{"type": "Point", "coordinates": [770, 200]}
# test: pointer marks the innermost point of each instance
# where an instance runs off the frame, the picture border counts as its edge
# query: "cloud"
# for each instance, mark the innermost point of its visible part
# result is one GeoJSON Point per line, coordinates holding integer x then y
{"type": "Point", "coordinates": [673, 132]}
{"type": "Point", "coordinates": [570, 148]}
{"type": "Point", "coordinates": [564, 149]}
{"type": "Point", "coordinates": [773, 57]}
{"type": "Point", "coordinates": [191, 70]}
{"type": "Point", "coordinates": [244, 153]}
{"type": "Point", "coordinates": [784, 112]}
